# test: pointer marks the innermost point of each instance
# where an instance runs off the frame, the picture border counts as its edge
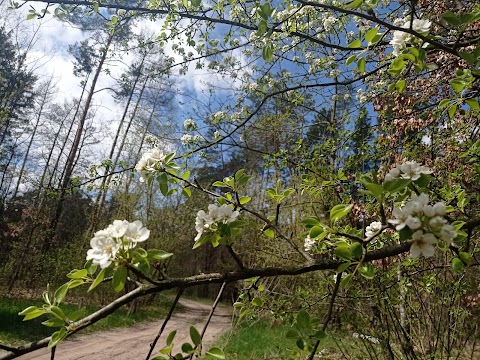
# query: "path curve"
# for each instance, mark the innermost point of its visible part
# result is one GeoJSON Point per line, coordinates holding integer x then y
{"type": "Point", "coordinates": [134, 342]}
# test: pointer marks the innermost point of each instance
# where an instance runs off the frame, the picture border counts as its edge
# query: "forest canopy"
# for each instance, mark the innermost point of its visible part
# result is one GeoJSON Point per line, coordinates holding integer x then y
{"type": "Point", "coordinates": [256, 149]}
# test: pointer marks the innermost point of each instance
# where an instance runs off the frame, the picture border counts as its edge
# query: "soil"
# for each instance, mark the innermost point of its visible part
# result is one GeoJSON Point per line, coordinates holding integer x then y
{"type": "Point", "coordinates": [134, 342]}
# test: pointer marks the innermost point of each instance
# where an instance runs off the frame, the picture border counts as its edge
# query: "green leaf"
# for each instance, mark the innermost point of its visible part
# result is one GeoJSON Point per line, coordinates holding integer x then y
{"type": "Point", "coordinates": [375, 189]}
{"type": "Point", "coordinates": [320, 334]}
{"type": "Point", "coordinates": [215, 353]}
{"type": "Point", "coordinates": [473, 104]}
{"type": "Point", "coordinates": [74, 283]}
{"type": "Point", "coordinates": [457, 264]}
{"type": "Point", "coordinates": [303, 320]}
{"type": "Point", "coordinates": [195, 336]}
{"type": "Point", "coordinates": [119, 278]}
{"type": "Point", "coordinates": [357, 250]}
{"type": "Point", "coordinates": [76, 314]}
{"type": "Point", "coordinates": [90, 267]}
{"type": "Point", "coordinates": [267, 53]}
{"type": "Point", "coordinates": [346, 280]}
{"type": "Point", "coordinates": [397, 65]}
{"type": "Point", "coordinates": [195, 3]}
{"type": "Point", "coordinates": [55, 310]}
{"type": "Point", "coordinates": [31, 312]}
{"type": "Point", "coordinates": [351, 59]}
{"type": "Point", "coordinates": [401, 85]}
{"type": "Point", "coordinates": [257, 301]}
{"type": "Point", "coordinates": [57, 336]}
{"type": "Point", "coordinates": [355, 4]}
{"type": "Point", "coordinates": [61, 293]}
{"type": "Point", "coordinates": [451, 18]}
{"type": "Point", "coordinates": [452, 110]}
{"type": "Point", "coordinates": [98, 280]}
{"type": "Point", "coordinates": [53, 322]}
{"type": "Point", "coordinates": [203, 240]}
{"type": "Point", "coordinates": [466, 258]}
{"type": "Point", "coordinates": [315, 231]}
{"type": "Point", "coordinates": [162, 179]}
{"type": "Point", "coordinates": [469, 58]}
{"type": "Point", "coordinates": [187, 348]}
{"type": "Point", "coordinates": [269, 233]}
{"type": "Point", "coordinates": [77, 274]}
{"type": "Point", "coordinates": [444, 103]}
{"type": "Point", "coordinates": [311, 221]}
{"type": "Point", "coordinates": [458, 85]}
{"type": "Point", "coordinates": [367, 271]}
{"type": "Point", "coordinates": [361, 65]}
{"type": "Point", "coordinates": [220, 184]}
{"type": "Point", "coordinates": [343, 252]}
{"type": "Point", "coordinates": [245, 199]}
{"type": "Point", "coordinates": [371, 34]}
{"type": "Point", "coordinates": [342, 267]}
{"type": "Point", "coordinates": [170, 337]}
{"type": "Point", "coordinates": [339, 211]}
{"type": "Point", "coordinates": [355, 44]}
{"type": "Point", "coordinates": [292, 334]}
{"type": "Point", "coordinates": [156, 254]}
{"type": "Point", "coordinates": [186, 192]}
{"type": "Point", "coordinates": [396, 185]}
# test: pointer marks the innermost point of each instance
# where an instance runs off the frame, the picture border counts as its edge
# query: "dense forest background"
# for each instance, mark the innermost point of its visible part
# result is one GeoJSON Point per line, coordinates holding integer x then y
{"type": "Point", "coordinates": [303, 120]}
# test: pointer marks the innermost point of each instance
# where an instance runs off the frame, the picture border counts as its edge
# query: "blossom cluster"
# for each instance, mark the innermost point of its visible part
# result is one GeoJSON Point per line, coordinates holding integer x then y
{"type": "Point", "coordinates": [401, 39]}
{"type": "Point", "coordinates": [206, 222]}
{"type": "Point", "coordinates": [408, 170]}
{"type": "Point", "coordinates": [427, 223]}
{"type": "Point", "coordinates": [121, 235]}
{"type": "Point", "coordinates": [373, 228]}
{"type": "Point", "coordinates": [150, 162]}
{"type": "Point", "coordinates": [309, 243]}
{"type": "Point", "coordinates": [188, 139]}
{"type": "Point", "coordinates": [189, 124]}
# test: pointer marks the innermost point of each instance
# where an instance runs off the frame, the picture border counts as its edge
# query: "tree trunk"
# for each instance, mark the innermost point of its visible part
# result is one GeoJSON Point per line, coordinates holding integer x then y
{"type": "Point", "coordinates": [76, 142]}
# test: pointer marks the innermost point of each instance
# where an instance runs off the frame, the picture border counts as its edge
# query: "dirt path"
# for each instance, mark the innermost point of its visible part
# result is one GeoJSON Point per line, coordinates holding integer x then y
{"type": "Point", "coordinates": [134, 342]}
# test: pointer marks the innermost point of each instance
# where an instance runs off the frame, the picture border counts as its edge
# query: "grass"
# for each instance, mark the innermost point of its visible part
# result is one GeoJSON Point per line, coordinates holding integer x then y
{"type": "Point", "coordinates": [14, 331]}
{"type": "Point", "coordinates": [256, 340]}
{"type": "Point", "coordinates": [261, 340]}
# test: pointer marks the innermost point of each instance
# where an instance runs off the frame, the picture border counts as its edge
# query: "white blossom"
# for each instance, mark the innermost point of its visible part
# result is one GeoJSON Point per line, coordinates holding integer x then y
{"type": "Point", "coordinates": [136, 232]}
{"type": "Point", "coordinates": [120, 235]}
{"type": "Point", "coordinates": [426, 221]}
{"type": "Point", "coordinates": [423, 244]}
{"type": "Point", "coordinates": [407, 170]}
{"type": "Point", "coordinates": [186, 139]}
{"type": "Point", "coordinates": [400, 39]}
{"type": "Point", "coordinates": [373, 228]}
{"type": "Point", "coordinates": [309, 243]}
{"type": "Point", "coordinates": [149, 163]}
{"type": "Point", "coordinates": [329, 21]}
{"type": "Point", "coordinates": [361, 96]}
{"type": "Point", "coordinates": [104, 248]}
{"type": "Point", "coordinates": [118, 228]}
{"type": "Point", "coordinates": [205, 222]}
{"type": "Point", "coordinates": [448, 233]}
{"type": "Point", "coordinates": [217, 134]}
{"type": "Point", "coordinates": [189, 124]}
{"type": "Point", "coordinates": [253, 86]}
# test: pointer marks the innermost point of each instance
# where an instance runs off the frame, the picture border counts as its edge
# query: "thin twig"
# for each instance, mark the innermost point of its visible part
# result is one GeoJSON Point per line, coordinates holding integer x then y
{"type": "Point", "coordinates": [214, 306]}
{"type": "Point", "coordinates": [172, 308]}
{"type": "Point", "coordinates": [235, 257]}
{"type": "Point", "coordinates": [328, 317]}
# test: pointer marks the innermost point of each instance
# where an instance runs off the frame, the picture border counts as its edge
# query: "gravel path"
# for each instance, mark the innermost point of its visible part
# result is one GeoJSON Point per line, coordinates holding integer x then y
{"type": "Point", "coordinates": [134, 342]}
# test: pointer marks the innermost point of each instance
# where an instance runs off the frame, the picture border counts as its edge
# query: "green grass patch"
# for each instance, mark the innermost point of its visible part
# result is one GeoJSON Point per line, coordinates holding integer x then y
{"type": "Point", "coordinates": [15, 331]}
{"type": "Point", "coordinates": [256, 340]}
{"type": "Point", "coordinates": [261, 340]}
